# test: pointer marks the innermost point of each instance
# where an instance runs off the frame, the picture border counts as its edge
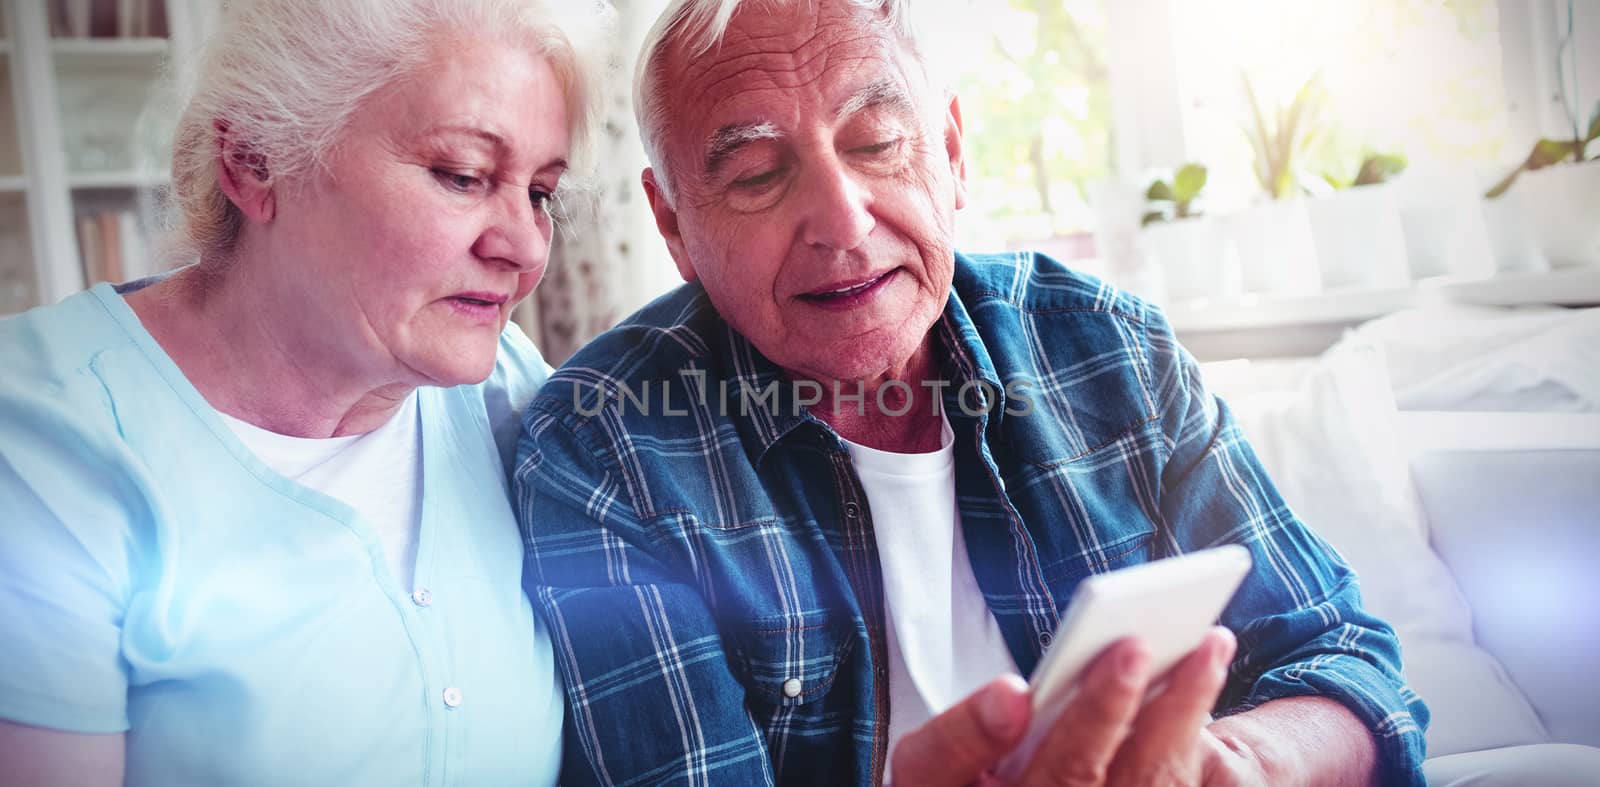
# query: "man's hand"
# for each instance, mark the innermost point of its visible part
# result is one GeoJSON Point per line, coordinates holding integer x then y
{"type": "Point", "coordinates": [1107, 735]}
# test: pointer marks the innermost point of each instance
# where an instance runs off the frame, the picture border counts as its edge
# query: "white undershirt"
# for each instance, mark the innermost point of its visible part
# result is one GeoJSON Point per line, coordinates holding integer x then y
{"type": "Point", "coordinates": [943, 640]}
{"type": "Point", "coordinates": [379, 474]}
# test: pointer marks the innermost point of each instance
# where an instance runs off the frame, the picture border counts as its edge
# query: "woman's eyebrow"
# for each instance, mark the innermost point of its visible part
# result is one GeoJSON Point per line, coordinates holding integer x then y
{"type": "Point", "coordinates": [495, 140]}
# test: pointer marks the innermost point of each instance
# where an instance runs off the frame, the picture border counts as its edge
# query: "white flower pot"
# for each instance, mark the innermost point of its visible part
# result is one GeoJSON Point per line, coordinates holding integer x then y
{"type": "Point", "coordinates": [1445, 228]}
{"type": "Point", "coordinates": [1512, 241]}
{"type": "Point", "coordinates": [1276, 253]}
{"type": "Point", "coordinates": [1360, 242]}
{"type": "Point", "coordinates": [1563, 205]}
{"type": "Point", "coordinates": [1194, 256]}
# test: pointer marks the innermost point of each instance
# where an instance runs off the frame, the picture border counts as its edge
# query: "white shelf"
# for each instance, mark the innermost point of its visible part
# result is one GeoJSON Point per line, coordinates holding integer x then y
{"type": "Point", "coordinates": [116, 180]}
{"type": "Point", "coordinates": [1560, 287]}
{"type": "Point", "coordinates": [1267, 311]}
{"type": "Point", "coordinates": [1304, 325]}
{"type": "Point", "coordinates": [48, 77]}
{"type": "Point", "coordinates": [91, 49]}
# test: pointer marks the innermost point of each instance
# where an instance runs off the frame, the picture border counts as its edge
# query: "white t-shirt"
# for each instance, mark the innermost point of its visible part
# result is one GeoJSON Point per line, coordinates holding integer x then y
{"type": "Point", "coordinates": [944, 642]}
{"type": "Point", "coordinates": [379, 474]}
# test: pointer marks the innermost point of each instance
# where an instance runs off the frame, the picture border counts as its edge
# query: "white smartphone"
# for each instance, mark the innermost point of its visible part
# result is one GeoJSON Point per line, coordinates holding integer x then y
{"type": "Point", "coordinates": [1169, 604]}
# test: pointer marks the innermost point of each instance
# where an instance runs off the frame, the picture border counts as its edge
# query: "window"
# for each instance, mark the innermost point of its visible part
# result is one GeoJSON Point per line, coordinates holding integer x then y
{"type": "Point", "coordinates": [1035, 91]}
{"type": "Point", "coordinates": [1419, 78]}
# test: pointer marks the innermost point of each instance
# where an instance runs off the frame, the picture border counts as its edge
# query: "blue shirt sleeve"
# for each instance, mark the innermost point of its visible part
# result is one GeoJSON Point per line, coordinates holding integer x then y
{"type": "Point", "coordinates": [651, 697]}
{"type": "Point", "coordinates": [69, 511]}
{"type": "Point", "coordinates": [1301, 626]}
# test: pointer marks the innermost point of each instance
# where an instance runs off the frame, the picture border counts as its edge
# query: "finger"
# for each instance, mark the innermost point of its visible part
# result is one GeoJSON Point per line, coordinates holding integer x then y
{"type": "Point", "coordinates": [957, 746]}
{"type": "Point", "coordinates": [1163, 746]}
{"type": "Point", "coordinates": [1079, 748]}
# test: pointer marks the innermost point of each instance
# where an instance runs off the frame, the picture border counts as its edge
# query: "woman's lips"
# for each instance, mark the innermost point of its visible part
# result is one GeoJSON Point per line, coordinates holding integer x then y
{"type": "Point", "coordinates": [479, 307]}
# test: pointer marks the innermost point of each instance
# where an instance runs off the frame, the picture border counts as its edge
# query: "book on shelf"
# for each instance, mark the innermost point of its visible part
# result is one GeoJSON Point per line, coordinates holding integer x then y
{"type": "Point", "coordinates": [111, 246]}
{"type": "Point", "coordinates": [132, 19]}
{"type": "Point", "coordinates": [71, 17]}
{"type": "Point", "coordinates": [108, 18]}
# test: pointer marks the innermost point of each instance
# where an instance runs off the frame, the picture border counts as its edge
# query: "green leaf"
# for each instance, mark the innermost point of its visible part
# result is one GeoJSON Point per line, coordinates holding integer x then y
{"type": "Point", "coordinates": [1546, 152]}
{"type": "Point", "coordinates": [1160, 191]}
{"type": "Point", "coordinates": [1503, 185]}
{"type": "Point", "coordinates": [1260, 138]}
{"type": "Point", "coordinates": [1284, 186]}
{"type": "Point", "coordinates": [1186, 185]}
{"type": "Point", "coordinates": [1380, 168]}
{"type": "Point", "coordinates": [1550, 151]}
{"type": "Point", "coordinates": [1152, 217]}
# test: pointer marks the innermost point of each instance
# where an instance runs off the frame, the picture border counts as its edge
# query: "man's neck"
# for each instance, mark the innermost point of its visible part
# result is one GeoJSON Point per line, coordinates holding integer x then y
{"type": "Point", "coordinates": [897, 411]}
{"type": "Point", "coordinates": [247, 358]}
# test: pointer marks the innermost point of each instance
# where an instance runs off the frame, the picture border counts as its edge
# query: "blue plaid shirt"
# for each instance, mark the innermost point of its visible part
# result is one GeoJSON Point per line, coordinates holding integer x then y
{"type": "Point", "coordinates": [701, 547]}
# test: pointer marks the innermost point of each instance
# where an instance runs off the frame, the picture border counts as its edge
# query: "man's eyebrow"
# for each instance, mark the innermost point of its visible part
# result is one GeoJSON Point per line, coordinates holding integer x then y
{"type": "Point", "coordinates": [725, 141]}
{"type": "Point", "coordinates": [885, 93]}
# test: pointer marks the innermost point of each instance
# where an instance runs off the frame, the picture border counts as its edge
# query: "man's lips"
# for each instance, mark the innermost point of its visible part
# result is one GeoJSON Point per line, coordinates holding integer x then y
{"type": "Point", "coordinates": [848, 289]}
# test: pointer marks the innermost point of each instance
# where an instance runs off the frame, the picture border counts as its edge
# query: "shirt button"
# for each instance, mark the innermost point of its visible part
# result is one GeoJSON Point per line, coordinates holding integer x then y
{"type": "Point", "coordinates": [1044, 639]}
{"type": "Point", "coordinates": [791, 688]}
{"type": "Point", "coordinates": [422, 597]}
{"type": "Point", "coordinates": [851, 510]}
{"type": "Point", "coordinates": [452, 697]}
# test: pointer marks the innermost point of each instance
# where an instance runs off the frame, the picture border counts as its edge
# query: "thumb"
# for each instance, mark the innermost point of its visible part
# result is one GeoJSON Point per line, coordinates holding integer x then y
{"type": "Point", "coordinates": [957, 746]}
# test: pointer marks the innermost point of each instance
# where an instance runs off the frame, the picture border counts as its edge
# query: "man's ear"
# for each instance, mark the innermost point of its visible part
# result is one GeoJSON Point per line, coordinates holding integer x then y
{"type": "Point", "coordinates": [243, 176]}
{"type": "Point", "coordinates": [667, 224]}
{"type": "Point", "coordinates": [954, 148]}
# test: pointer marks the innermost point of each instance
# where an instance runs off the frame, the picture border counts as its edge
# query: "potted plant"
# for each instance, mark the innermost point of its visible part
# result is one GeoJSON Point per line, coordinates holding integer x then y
{"type": "Point", "coordinates": [1273, 239]}
{"type": "Point", "coordinates": [1556, 191]}
{"type": "Point", "coordinates": [1356, 228]}
{"type": "Point", "coordinates": [1175, 200]}
{"type": "Point", "coordinates": [1191, 249]}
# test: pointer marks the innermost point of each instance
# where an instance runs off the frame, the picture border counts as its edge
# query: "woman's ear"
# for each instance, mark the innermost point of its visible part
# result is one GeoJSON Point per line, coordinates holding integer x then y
{"type": "Point", "coordinates": [243, 175]}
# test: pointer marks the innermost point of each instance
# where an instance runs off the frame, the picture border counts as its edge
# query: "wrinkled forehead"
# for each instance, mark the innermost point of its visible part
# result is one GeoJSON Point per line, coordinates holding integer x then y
{"type": "Point", "coordinates": [794, 57]}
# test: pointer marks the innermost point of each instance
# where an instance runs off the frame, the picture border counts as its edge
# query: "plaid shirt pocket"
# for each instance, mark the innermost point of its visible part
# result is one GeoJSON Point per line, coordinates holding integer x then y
{"type": "Point", "coordinates": [789, 661]}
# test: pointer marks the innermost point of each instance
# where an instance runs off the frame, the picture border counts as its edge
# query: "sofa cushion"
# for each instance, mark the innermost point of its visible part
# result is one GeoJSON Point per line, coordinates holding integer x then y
{"type": "Point", "coordinates": [1331, 446]}
{"type": "Point", "coordinates": [1545, 765]}
{"type": "Point", "coordinates": [1520, 529]}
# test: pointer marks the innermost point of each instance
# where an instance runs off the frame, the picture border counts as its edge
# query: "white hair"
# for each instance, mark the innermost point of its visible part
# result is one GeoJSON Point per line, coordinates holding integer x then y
{"type": "Point", "coordinates": [284, 78]}
{"type": "Point", "coordinates": [700, 26]}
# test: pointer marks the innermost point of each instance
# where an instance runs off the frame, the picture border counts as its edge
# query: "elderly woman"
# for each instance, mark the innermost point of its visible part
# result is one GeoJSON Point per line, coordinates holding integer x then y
{"type": "Point", "coordinates": [254, 525]}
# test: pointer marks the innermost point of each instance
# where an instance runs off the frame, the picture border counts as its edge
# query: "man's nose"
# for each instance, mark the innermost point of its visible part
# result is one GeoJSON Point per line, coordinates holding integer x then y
{"type": "Point", "coordinates": [517, 233]}
{"type": "Point", "coordinates": [837, 208]}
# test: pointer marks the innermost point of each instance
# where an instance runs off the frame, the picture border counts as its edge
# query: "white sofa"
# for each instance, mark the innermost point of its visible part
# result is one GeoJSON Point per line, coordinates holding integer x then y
{"type": "Point", "coordinates": [1474, 525]}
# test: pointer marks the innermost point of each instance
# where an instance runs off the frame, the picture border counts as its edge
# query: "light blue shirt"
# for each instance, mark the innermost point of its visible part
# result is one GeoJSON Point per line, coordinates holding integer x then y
{"type": "Point", "coordinates": [156, 577]}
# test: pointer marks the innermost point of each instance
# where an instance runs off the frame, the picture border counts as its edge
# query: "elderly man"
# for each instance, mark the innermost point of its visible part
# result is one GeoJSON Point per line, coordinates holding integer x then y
{"type": "Point", "coordinates": [789, 521]}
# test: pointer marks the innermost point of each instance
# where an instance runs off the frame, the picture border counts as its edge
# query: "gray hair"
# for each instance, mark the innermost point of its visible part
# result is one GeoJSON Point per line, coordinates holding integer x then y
{"type": "Point", "coordinates": [700, 25]}
{"type": "Point", "coordinates": [286, 76]}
